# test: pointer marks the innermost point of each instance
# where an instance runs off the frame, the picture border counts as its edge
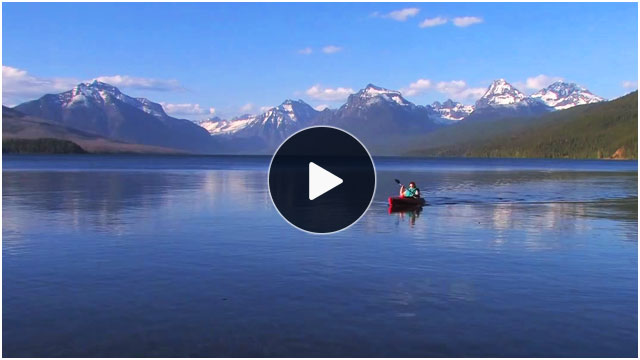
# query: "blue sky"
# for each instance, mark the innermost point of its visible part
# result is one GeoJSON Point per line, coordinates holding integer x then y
{"type": "Point", "coordinates": [238, 57]}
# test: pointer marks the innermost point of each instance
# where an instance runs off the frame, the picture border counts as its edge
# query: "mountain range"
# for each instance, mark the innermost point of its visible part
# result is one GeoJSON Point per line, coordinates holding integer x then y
{"type": "Point", "coordinates": [374, 110]}
{"type": "Point", "coordinates": [382, 118]}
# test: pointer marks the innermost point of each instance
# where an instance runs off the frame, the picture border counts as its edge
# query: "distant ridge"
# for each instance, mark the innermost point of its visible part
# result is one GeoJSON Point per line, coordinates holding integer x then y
{"type": "Point", "coordinates": [605, 130]}
{"type": "Point", "coordinates": [19, 126]}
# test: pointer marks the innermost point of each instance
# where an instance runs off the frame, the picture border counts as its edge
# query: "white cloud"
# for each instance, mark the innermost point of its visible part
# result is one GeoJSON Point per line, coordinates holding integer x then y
{"type": "Point", "coordinates": [459, 90]}
{"type": "Point", "coordinates": [328, 94]}
{"type": "Point", "coordinates": [18, 86]}
{"type": "Point", "coordinates": [331, 49]}
{"type": "Point", "coordinates": [264, 109]}
{"type": "Point", "coordinates": [456, 89]}
{"type": "Point", "coordinates": [321, 107]}
{"type": "Point", "coordinates": [430, 22]}
{"type": "Point", "coordinates": [539, 82]}
{"type": "Point", "coordinates": [141, 83]}
{"type": "Point", "coordinates": [416, 87]}
{"type": "Point", "coordinates": [453, 86]}
{"type": "Point", "coordinates": [628, 84]}
{"type": "Point", "coordinates": [402, 14]}
{"type": "Point", "coordinates": [464, 21]}
{"type": "Point", "coordinates": [186, 109]}
{"type": "Point", "coordinates": [247, 108]}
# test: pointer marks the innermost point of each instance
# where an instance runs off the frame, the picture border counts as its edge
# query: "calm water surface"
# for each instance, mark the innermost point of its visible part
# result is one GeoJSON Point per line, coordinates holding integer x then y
{"type": "Point", "coordinates": [186, 256]}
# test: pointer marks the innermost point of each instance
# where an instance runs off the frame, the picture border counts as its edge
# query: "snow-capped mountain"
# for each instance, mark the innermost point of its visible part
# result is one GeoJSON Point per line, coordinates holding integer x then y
{"type": "Point", "coordinates": [503, 100]}
{"type": "Point", "coordinates": [382, 118]}
{"type": "Point", "coordinates": [370, 103]}
{"type": "Point", "coordinates": [562, 95]}
{"type": "Point", "coordinates": [500, 92]}
{"type": "Point", "coordinates": [272, 126]}
{"type": "Point", "coordinates": [372, 95]}
{"type": "Point", "coordinates": [104, 110]}
{"type": "Point", "coordinates": [451, 110]}
{"type": "Point", "coordinates": [98, 93]}
{"type": "Point", "coordinates": [291, 113]}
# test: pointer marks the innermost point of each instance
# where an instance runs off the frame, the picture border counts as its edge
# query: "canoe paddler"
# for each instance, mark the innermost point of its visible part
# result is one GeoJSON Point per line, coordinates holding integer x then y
{"type": "Point", "coordinates": [410, 192]}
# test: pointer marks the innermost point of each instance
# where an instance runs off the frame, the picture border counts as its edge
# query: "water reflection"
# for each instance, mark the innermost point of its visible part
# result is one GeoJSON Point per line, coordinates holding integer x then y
{"type": "Point", "coordinates": [532, 227]}
{"type": "Point", "coordinates": [409, 215]}
{"type": "Point", "coordinates": [488, 187]}
{"type": "Point", "coordinates": [109, 201]}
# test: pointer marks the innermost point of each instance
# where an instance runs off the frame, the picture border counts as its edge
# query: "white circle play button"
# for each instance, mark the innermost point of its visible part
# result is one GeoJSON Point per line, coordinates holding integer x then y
{"type": "Point", "coordinates": [322, 179]}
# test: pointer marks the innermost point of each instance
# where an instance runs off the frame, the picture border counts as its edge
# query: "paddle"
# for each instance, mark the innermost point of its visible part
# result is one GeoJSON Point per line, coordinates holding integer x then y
{"type": "Point", "coordinates": [399, 183]}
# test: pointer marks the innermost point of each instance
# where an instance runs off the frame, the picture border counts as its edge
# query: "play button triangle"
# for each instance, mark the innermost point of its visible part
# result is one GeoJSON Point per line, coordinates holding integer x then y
{"type": "Point", "coordinates": [321, 181]}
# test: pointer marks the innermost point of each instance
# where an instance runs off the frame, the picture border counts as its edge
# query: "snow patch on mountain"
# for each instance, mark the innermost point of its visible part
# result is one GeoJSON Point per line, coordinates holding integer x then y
{"type": "Point", "coordinates": [451, 110]}
{"type": "Point", "coordinates": [150, 107]}
{"type": "Point", "coordinates": [217, 126]}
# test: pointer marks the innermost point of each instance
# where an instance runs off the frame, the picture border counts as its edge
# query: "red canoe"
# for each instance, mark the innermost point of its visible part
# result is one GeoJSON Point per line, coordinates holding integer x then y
{"type": "Point", "coordinates": [397, 201]}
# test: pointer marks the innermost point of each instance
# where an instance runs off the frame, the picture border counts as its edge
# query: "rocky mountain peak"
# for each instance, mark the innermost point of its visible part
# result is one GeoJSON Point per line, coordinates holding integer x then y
{"type": "Point", "coordinates": [563, 95]}
{"type": "Point", "coordinates": [373, 94]}
{"type": "Point", "coordinates": [500, 92]}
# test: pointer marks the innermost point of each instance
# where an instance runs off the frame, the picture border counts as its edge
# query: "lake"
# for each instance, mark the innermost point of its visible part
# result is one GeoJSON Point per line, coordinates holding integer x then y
{"type": "Point", "coordinates": [174, 256]}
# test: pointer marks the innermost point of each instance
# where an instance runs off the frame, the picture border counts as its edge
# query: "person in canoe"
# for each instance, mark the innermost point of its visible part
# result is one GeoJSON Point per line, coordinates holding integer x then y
{"type": "Point", "coordinates": [410, 192]}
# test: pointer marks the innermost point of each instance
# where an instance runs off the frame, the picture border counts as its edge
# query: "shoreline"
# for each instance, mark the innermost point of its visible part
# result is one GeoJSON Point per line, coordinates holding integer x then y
{"type": "Point", "coordinates": [177, 154]}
